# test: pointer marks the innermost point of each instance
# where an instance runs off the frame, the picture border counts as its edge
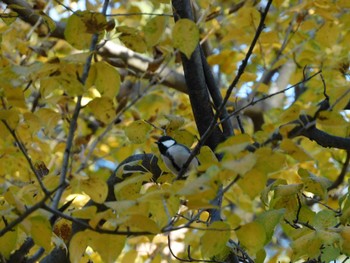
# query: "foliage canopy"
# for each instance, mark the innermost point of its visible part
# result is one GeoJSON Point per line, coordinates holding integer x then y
{"type": "Point", "coordinates": [264, 98]}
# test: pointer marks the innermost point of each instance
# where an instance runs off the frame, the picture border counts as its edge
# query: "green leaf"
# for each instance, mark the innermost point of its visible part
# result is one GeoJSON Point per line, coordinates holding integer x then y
{"type": "Point", "coordinates": [269, 220]}
{"type": "Point", "coordinates": [185, 36]}
{"type": "Point", "coordinates": [325, 219]}
{"type": "Point", "coordinates": [9, 18]}
{"type": "Point", "coordinates": [137, 132]}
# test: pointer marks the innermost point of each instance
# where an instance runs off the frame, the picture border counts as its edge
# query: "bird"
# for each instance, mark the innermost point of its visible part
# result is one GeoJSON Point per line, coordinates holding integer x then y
{"type": "Point", "coordinates": [175, 155]}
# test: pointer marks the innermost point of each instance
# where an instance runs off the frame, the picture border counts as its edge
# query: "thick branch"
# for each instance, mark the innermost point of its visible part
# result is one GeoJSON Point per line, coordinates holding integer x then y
{"type": "Point", "coordinates": [29, 15]}
{"type": "Point", "coordinates": [196, 83]}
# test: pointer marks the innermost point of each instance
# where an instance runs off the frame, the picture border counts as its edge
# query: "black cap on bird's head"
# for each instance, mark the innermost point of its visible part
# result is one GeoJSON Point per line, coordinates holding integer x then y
{"type": "Point", "coordinates": [164, 143]}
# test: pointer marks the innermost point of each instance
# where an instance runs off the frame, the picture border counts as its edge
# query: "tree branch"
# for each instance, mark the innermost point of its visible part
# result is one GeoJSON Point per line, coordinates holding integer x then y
{"type": "Point", "coordinates": [25, 153]}
{"type": "Point", "coordinates": [74, 120]}
{"type": "Point", "coordinates": [241, 69]}
{"type": "Point", "coordinates": [196, 83]}
{"type": "Point", "coordinates": [116, 55]}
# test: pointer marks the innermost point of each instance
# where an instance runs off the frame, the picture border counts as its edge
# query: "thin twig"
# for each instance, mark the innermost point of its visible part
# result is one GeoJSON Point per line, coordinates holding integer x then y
{"type": "Point", "coordinates": [74, 120]}
{"type": "Point", "coordinates": [28, 212]}
{"type": "Point", "coordinates": [25, 153]}
{"type": "Point", "coordinates": [141, 14]}
{"type": "Point", "coordinates": [190, 258]}
{"type": "Point", "coordinates": [342, 174]}
{"type": "Point", "coordinates": [271, 95]}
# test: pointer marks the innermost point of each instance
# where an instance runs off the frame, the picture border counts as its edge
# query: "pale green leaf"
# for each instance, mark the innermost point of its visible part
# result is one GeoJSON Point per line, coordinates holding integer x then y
{"type": "Point", "coordinates": [185, 36]}
{"type": "Point", "coordinates": [154, 30]}
{"type": "Point", "coordinates": [269, 220]}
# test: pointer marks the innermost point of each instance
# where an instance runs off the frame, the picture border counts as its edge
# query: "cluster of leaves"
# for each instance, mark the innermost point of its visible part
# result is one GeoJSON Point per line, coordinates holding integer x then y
{"type": "Point", "coordinates": [66, 112]}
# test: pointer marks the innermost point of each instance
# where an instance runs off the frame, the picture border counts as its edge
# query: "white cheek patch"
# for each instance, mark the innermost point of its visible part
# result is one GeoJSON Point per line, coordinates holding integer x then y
{"type": "Point", "coordinates": [168, 143]}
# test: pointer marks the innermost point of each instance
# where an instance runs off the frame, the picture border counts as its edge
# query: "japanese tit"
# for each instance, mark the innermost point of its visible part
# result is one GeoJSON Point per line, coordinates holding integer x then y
{"type": "Point", "coordinates": [175, 155]}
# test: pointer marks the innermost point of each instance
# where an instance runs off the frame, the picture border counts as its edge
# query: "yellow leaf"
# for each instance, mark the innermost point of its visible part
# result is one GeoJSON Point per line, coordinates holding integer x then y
{"type": "Point", "coordinates": [103, 109]}
{"type": "Point", "coordinates": [131, 256]}
{"type": "Point", "coordinates": [107, 80]}
{"type": "Point", "coordinates": [206, 158]}
{"type": "Point", "coordinates": [14, 97]}
{"type": "Point", "coordinates": [80, 27]}
{"type": "Point", "coordinates": [242, 165]}
{"type": "Point", "coordinates": [104, 216]}
{"type": "Point", "coordinates": [175, 122]}
{"type": "Point", "coordinates": [253, 182]}
{"type": "Point", "coordinates": [291, 114]}
{"type": "Point", "coordinates": [41, 231]}
{"type": "Point", "coordinates": [11, 117]}
{"type": "Point", "coordinates": [108, 246]}
{"type": "Point", "coordinates": [345, 234]}
{"type": "Point", "coordinates": [130, 187]}
{"type": "Point", "coordinates": [185, 36]}
{"type": "Point", "coordinates": [142, 223]}
{"type": "Point", "coordinates": [315, 184]}
{"type": "Point", "coordinates": [134, 42]}
{"type": "Point", "coordinates": [8, 242]}
{"type": "Point", "coordinates": [154, 30]}
{"type": "Point", "coordinates": [269, 161]}
{"type": "Point", "coordinates": [226, 60]}
{"type": "Point", "coordinates": [96, 188]}
{"type": "Point", "coordinates": [287, 190]}
{"type": "Point", "coordinates": [132, 39]}
{"type": "Point", "coordinates": [294, 150]}
{"type": "Point", "coordinates": [248, 76]}
{"type": "Point", "coordinates": [77, 245]}
{"type": "Point", "coordinates": [307, 245]}
{"type": "Point", "coordinates": [85, 212]}
{"type": "Point", "coordinates": [49, 118]}
{"type": "Point", "coordinates": [235, 144]}
{"type": "Point", "coordinates": [252, 236]}
{"type": "Point", "coordinates": [214, 240]}
{"type": "Point", "coordinates": [137, 131]}
{"type": "Point", "coordinates": [51, 182]}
